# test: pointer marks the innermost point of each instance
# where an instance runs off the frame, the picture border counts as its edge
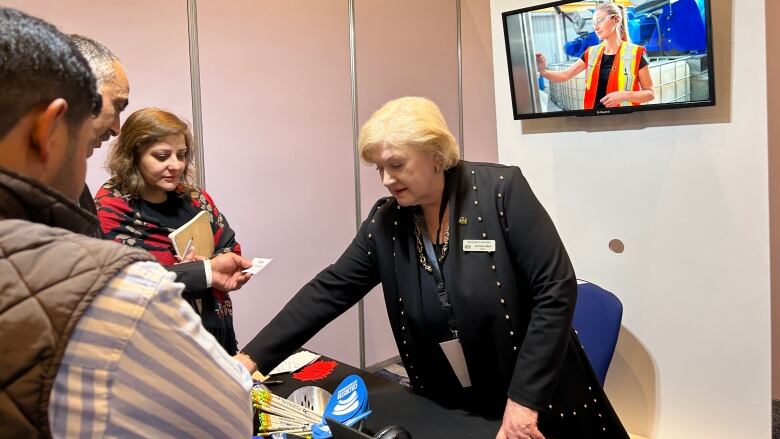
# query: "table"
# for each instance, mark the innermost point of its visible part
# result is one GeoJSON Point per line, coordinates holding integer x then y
{"type": "Point", "coordinates": [394, 404]}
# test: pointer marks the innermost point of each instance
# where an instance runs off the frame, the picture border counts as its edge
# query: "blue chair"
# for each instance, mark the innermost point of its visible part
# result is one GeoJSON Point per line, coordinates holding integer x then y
{"type": "Point", "coordinates": [597, 319]}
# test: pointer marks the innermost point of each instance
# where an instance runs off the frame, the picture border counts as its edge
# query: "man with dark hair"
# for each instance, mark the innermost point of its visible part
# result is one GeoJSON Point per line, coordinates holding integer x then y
{"type": "Point", "coordinates": [224, 271]}
{"type": "Point", "coordinates": [95, 338]}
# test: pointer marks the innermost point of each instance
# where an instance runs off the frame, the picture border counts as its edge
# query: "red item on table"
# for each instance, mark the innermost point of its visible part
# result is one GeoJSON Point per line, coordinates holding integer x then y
{"type": "Point", "coordinates": [315, 371]}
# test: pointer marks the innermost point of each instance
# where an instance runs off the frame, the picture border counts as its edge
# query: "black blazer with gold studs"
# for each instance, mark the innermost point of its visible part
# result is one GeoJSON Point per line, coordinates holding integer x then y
{"type": "Point", "coordinates": [513, 306]}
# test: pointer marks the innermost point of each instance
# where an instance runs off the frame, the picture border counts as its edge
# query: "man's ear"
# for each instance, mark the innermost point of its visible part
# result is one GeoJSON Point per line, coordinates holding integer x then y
{"type": "Point", "coordinates": [45, 127]}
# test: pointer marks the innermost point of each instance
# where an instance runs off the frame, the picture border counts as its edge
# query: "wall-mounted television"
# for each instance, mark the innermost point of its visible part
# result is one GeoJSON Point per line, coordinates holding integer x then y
{"type": "Point", "coordinates": [588, 58]}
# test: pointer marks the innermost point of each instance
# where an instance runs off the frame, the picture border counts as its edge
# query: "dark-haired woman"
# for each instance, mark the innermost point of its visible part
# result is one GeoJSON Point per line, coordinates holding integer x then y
{"type": "Point", "coordinates": [149, 195]}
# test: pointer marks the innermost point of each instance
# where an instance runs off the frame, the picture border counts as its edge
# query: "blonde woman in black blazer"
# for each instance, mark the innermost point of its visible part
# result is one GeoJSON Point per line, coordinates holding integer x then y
{"type": "Point", "coordinates": [510, 302]}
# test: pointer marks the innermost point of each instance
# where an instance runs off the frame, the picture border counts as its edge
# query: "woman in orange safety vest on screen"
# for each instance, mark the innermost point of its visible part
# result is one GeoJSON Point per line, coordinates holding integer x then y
{"type": "Point", "coordinates": [617, 70]}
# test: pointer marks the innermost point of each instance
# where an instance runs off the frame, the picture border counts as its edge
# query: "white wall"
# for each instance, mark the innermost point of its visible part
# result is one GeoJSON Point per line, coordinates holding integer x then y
{"type": "Point", "coordinates": [686, 191]}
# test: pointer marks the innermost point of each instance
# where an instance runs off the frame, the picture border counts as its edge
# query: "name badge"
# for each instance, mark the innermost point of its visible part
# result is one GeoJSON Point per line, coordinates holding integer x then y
{"type": "Point", "coordinates": [454, 353]}
{"type": "Point", "coordinates": [479, 245]}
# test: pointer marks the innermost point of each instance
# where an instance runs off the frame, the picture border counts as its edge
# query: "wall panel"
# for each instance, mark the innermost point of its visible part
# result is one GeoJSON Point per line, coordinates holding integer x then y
{"type": "Point", "coordinates": [158, 77]}
{"type": "Point", "coordinates": [404, 48]}
{"type": "Point", "coordinates": [278, 148]}
{"type": "Point", "coordinates": [479, 104]}
{"type": "Point", "coordinates": [773, 128]}
{"type": "Point", "coordinates": [277, 125]}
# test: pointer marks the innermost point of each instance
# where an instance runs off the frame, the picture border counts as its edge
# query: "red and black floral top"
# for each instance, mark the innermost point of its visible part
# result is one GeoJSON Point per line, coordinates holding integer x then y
{"type": "Point", "coordinates": [136, 222]}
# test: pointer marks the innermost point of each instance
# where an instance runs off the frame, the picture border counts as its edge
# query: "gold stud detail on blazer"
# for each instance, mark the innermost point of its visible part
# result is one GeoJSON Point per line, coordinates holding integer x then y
{"type": "Point", "coordinates": [493, 267]}
{"type": "Point", "coordinates": [499, 195]}
{"type": "Point", "coordinates": [476, 203]}
{"type": "Point", "coordinates": [506, 317]}
{"type": "Point", "coordinates": [502, 301]}
{"type": "Point", "coordinates": [479, 219]}
{"type": "Point", "coordinates": [369, 236]}
{"type": "Point", "coordinates": [473, 187]}
{"type": "Point", "coordinates": [498, 284]}
{"type": "Point", "coordinates": [500, 213]}
{"type": "Point", "coordinates": [463, 221]}
{"type": "Point", "coordinates": [398, 206]}
{"type": "Point", "coordinates": [484, 235]}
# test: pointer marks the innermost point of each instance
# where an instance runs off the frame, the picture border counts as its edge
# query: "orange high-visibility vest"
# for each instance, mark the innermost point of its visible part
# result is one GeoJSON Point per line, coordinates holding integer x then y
{"type": "Point", "coordinates": [623, 75]}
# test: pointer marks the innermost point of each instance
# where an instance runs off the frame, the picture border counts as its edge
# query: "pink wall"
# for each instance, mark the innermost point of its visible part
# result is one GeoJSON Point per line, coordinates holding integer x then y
{"type": "Point", "coordinates": [277, 119]}
{"type": "Point", "coordinates": [479, 104]}
{"type": "Point", "coordinates": [278, 140]}
{"type": "Point", "coordinates": [773, 119]}
{"type": "Point", "coordinates": [409, 48]}
{"type": "Point", "coordinates": [150, 37]}
{"type": "Point", "coordinates": [404, 48]}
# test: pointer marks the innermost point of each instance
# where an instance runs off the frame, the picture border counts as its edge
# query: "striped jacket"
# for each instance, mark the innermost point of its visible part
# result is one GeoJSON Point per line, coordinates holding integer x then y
{"type": "Point", "coordinates": [93, 344]}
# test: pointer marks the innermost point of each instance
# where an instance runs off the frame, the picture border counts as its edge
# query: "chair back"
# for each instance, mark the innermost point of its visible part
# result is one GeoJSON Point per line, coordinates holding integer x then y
{"type": "Point", "coordinates": [597, 319]}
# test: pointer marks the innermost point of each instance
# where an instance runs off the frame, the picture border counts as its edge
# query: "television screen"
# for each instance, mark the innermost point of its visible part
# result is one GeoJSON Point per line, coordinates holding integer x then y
{"type": "Point", "coordinates": [604, 57]}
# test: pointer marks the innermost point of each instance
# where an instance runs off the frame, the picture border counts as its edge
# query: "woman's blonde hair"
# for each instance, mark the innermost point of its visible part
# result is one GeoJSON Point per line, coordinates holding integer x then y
{"type": "Point", "coordinates": [141, 130]}
{"type": "Point", "coordinates": [409, 122]}
{"type": "Point", "coordinates": [618, 11]}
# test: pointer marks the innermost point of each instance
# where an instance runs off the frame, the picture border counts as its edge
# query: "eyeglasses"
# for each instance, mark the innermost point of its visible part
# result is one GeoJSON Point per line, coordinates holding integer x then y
{"type": "Point", "coordinates": [600, 20]}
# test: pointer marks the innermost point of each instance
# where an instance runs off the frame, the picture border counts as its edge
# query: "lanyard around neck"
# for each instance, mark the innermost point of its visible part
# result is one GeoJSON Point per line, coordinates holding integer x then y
{"type": "Point", "coordinates": [441, 289]}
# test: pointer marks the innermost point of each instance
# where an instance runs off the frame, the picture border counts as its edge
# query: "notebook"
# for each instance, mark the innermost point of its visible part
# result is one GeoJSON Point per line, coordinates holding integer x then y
{"type": "Point", "coordinates": [198, 229]}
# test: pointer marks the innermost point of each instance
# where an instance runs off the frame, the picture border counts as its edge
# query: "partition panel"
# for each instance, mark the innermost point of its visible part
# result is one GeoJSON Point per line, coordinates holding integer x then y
{"type": "Point", "coordinates": [479, 103]}
{"type": "Point", "coordinates": [149, 37]}
{"type": "Point", "coordinates": [404, 48]}
{"type": "Point", "coordinates": [278, 148]}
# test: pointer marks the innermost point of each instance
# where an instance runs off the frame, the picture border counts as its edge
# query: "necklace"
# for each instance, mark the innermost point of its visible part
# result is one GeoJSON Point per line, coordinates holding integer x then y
{"type": "Point", "coordinates": [418, 238]}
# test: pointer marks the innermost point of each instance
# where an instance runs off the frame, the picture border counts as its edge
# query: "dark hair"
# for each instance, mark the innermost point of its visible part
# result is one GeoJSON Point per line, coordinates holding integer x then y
{"type": "Point", "coordinates": [141, 130]}
{"type": "Point", "coordinates": [38, 64]}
